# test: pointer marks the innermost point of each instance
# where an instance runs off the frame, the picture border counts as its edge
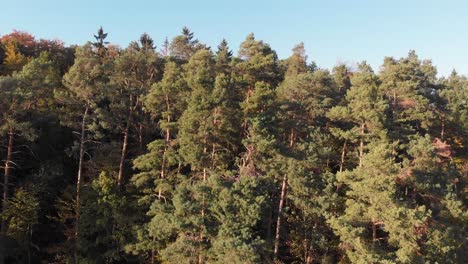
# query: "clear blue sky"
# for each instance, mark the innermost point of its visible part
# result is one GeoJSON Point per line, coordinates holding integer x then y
{"type": "Point", "coordinates": [332, 31]}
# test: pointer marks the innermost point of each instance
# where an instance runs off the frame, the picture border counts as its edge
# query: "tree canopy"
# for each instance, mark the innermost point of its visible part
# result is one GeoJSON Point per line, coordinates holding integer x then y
{"type": "Point", "coordinates": [184, 153]}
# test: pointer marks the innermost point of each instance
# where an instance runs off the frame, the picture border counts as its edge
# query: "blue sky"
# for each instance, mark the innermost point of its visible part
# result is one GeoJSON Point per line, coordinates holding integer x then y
{"type": "Point", "coordinates": [332, 31]}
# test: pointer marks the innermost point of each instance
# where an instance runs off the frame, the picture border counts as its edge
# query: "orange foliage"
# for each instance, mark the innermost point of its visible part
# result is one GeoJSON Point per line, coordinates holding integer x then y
{"type": "Point", "coordinates": [442, 148]}
{"type": "Point", "coordinates": [14, 60]}
{"type": "Point", "coordinates": [406, 103]}
{"type": "Point", "coordinates": [19, 37]}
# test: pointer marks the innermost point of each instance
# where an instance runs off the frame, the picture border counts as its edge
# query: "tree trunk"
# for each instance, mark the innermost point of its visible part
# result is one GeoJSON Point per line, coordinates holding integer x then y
{"type": "Point", "coordinates": [200, 257]}
{"type": "Point", "coordinates": [6, 177]}
{"type": "Point", "coordinates": [269, 224]}
{"type": "Point", "coordinates": [213, 155]}
{"type": "Point", "coordinates": [8, 161]}
{"type": "Point", "coordinates": [153, 250]}
{"type": "Point", "coordinates": [29, 243]}
{"type": "Point", "coordinates": [168, 139]}
{"type": "Point", "coordinates": [442, 131]}
{"type": "Point", "coordinates": [361, 145]}
{"type": "Point", "coordinates": [140, 137]}
{"type": "Point", "coordinates": [343, 153]}
{"type": "Point", "coordinates": [125, 145]}
{"type": "Point", "coordinates": [205, 151]}
{"type": "Point", "coordinates": [374, 233]}
{"type": "Point", "coordinates": [291, 138]}
{"type": "Point", "coordinates": [122, 157]}
{"type": "Point", "coordinates": [79, 178]}
{"type": "Point", "coordinates": [166, 147]}
{"type": "Point", "coordinates": [310, 256]}
{"type": "Point", "coordinates": [284, 187]}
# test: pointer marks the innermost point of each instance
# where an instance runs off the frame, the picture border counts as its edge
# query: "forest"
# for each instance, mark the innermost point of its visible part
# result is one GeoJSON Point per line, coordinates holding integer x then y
{"type": "Point", "coordinates": [186, 153]}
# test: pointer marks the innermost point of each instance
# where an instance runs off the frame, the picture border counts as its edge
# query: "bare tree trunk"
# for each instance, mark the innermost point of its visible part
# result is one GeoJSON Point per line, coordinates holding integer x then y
{"type": "Point", "coordinates": [125, 145]}
{"type": "Point", "coordinates": [140, 137]}
{"type": "Point", "coordinates": [374, 233]}
{"type": "Point", "coordinates": [205, 151]}
{"type": "Point", "coordinates": [122, 157]}
{"type": "Point", "coordinates": [291, 138]}
{"type": "Point", "coordinates": [310, 256]}
{"type": "Point", "coordinates": [361, 145]}
{"type": "Point", "coordinates": [8, 161]}
{"type": "Point", "coordinates": [6, 177]}
{"type": "Point", "coordinates": [153, 250]}
{"type": "Point", "coordinates": [442, 131]}
{"type": "Point", "coordinates": [163, 167]}
{"type": "Point", "coordinates": [29, 243]}
{"type": "Point", "coordinates": [166, 147]}
{"type": "Point", "coordinates": [343, 153]}
{"type": "Point", "coordinates": [168, 139]}
{"type": "Point", "coordinates": [200, 257]}
{"type": "Point", "coordinates": [284, 187]}
{"type": "Point", "coordinates": [79, 179]}
{"type": "Point", "coordinates": [213, 155]}
{"type": "Point", "coordinates": [269, 224]}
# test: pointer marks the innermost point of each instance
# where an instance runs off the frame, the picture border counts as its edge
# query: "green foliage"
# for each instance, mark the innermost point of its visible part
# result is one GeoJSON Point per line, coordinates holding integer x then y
{"type": "Point", "coordinates": [375, 227]}
{"type": "Point", "coordinates": [185, 45]}
{"type": "Point", "coordinates": [229, 159]}
{"type": "Point", "coordinates": [23, 215]}
{"type": "Point", "coordinates": [104, 221]}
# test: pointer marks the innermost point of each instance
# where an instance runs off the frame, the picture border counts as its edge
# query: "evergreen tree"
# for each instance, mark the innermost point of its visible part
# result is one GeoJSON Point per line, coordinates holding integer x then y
{"type": "Point", "coordinates": [100, 43]}
{"type": "Point", "coordinates": [453, 113]}
{"type": "Point", "coordinates": [104, 222]}
{"type": "Point", "coordinates": [251, 159]}
{"type": "Point", "coordinates": [134, 73]}
{"type": "Point", "coordinates": [376, 227]}
{"type": "Point", "coordinates": [364, 109]}
{"type": "Point", "coordinates": [238, 209]}
{"type": "Point", "coordinates": [185, 45]}
{"type": "Point", "coordinates": [408, 84]}
{"type": "Point", "coordinates": [259, 63]}
{"type": "Point", "coordinates": [297, 63]}
{"type": "Point", "coordinates": [223, 58]}
{"type": "Point", "coordinates": [305, 98]}
{"type": "Point", "coordinates": [81, 99]}
{"type": "Point", "coordinates": [23, 93]}
{"type": "Point", "coordinates": [195, 142]}
{"type": "Point", "coordinates": [159, 167]}
{"type": "Point", "coordinates": [23, 213]}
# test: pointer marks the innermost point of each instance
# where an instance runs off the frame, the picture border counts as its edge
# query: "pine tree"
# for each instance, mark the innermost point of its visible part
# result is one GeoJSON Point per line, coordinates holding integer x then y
{"type": "Point", "coordinates": [100, 43]}
{"type": "Point", "coordinates": [341, 76]}
{"type": "Point", "coordinates": [430, 179]}
{"type": "Point", "coordinates": [104, 221]}
{"type": "Point", "coordinates": [23, 213]}
{"type": "Point", "coordinates": [81, 99]}
{"type": "Point", "coordinates": [408, 84]}
{"type": "Point", "coordinates": [238, 209]}
{"type": "Point", "coordinates": [375, 226]}
{"type": "Point", "coordinates": [185, 45]}
{"type": "Point", "coordinates": [364, 109]}
{"type": "Point", "coordinates": [259, 63]}
{"type": "Point", "coordinates": [453, 113]}
{"type": "Point", "coordinates": [134, 73]}
{"type": "Point", "coordinates": [23, 93]}
{"type": "Point", "coordinates": [195, 141]}
{"type": "Point", "coordinates": [159, 167]}
{"type": "Point", "coordinates": [223, 58]}
{"type": "Point", "coordinates": [297, 63]}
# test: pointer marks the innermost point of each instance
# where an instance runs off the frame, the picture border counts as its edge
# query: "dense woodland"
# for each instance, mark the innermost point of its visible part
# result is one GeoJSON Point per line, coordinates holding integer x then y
{"type": "Point", "coordinates": [185, 153]}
